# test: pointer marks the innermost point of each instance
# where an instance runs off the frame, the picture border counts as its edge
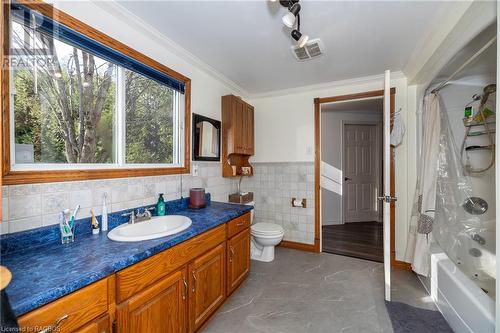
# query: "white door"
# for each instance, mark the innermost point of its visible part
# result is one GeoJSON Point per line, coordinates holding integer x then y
{"type": "Point", "coordinates": [387, 199]}
{"type": "Point", "coordinates": [361, 172]}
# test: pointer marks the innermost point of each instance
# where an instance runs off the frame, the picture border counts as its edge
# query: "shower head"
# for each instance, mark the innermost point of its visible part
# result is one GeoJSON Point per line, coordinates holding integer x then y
{"type": "Point", "coordinates": [490, 89]}
{"type": "Point", "coordinates": [487, 91]}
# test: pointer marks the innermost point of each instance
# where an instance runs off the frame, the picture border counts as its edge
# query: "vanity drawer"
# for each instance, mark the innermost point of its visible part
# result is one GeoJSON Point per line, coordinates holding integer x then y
{"type": "Point", "coordinates": [238, 224]}
{"type": "Point", "coordinates": [69, 312]}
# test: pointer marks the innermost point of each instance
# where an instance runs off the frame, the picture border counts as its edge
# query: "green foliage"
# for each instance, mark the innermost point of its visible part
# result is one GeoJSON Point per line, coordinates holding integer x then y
{"type": "Point", "coordinates": [149, 122]}
{"type": "Point", "coordinates": [47, 112]}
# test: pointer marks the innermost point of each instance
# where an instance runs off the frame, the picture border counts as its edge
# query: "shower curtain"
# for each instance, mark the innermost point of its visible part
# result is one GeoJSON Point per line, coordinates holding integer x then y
{"type": "Point", "coordinates": [422, 218]}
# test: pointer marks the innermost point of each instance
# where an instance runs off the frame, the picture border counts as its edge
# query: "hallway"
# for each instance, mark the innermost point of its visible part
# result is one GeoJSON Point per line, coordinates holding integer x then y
{"type": "Point", "coordinates": [358, 239]}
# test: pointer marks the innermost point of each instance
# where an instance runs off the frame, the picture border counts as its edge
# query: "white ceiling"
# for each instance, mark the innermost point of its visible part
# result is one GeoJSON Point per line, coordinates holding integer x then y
{"type": "Point", "coordinates": [246, 41]}
{"type": "Point", "coordinates": [367, 105]}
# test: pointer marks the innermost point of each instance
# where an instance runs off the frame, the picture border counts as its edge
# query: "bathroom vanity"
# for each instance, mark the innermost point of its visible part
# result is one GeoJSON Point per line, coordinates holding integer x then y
{"type": "Point", "coordinates": [175, 289]}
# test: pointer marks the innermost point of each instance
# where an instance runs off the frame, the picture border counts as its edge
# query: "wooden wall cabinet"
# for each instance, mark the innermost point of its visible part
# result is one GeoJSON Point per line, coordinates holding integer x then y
{"type": "Point", "coordinates": [237, 136]}
{"type": "Point", "coordinates": [176, 290]}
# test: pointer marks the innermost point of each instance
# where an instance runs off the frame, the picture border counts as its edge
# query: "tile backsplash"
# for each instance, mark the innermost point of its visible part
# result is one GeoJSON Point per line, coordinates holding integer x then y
{"type": "Point", "coordinates": [36, 205]}
{"type": "Point", "coordinates": [274, 185]}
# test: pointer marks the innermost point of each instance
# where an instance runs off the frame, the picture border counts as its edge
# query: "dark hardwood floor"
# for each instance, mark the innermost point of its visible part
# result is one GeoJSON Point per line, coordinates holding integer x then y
{"type": "Point", "coordinates": [357, 239]}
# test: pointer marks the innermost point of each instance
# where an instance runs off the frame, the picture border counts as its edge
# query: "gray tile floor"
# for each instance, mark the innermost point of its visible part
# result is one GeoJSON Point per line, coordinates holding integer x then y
{"type": "Point", "coordinates": [307, 292]}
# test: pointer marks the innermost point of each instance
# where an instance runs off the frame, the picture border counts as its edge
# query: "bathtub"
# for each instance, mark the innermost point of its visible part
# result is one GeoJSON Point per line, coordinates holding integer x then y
{"type": "Point", "coordinates": [465, 306]}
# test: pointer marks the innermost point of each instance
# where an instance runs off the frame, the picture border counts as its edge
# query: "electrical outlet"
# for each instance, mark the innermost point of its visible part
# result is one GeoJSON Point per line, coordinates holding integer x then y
{"type": "Point", "coordinates": [194, 170]}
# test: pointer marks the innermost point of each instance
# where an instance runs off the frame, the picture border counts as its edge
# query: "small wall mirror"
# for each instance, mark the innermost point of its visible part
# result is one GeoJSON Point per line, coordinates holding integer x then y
{"type": "Point", "coordinates": [206, 138]}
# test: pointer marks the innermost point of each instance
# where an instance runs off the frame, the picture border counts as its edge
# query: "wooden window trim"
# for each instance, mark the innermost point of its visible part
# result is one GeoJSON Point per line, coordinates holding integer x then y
{"type": "Point", "coordinates": [10, 177]}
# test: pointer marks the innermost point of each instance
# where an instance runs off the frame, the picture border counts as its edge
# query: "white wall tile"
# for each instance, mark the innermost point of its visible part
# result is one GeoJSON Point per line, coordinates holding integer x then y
{"type": "Point", "coordinates": [25, 224]}
{"type": "Point", "coordinates": [274, 185]}
{"type": "Point", "coordinates": [25, 206]}
{"type": "Point", "coordinates": [55, 202]}
{"type": "Point", "coordinates": [31, 206]}
{"type": "Point", "coordinates": [84, 198]}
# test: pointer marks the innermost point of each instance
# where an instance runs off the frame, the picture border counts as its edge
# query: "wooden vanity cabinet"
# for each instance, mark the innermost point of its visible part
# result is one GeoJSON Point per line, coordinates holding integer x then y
{"type": "Point", "coordinates": [100, 325]}
{"type": "Point", "coordinates": [238, 259]}
{"type": "Point", "coordinates": [207, 281]}
{"type": "Point", "coordinates": [69, 313]}
{"type": "Point", "coordinates": [161, 308]}
{"type": "Point", "coordinates": [176, 290]}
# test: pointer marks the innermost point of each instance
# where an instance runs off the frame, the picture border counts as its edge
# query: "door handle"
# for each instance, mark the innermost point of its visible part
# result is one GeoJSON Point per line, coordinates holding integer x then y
{"type": "Point", "coordinates": [184, 294]}
{"type": "Point", "coordinates": [55, 326]}
{"type": "Point", "coordinates": [231, 254]}
{"type": "Point", "coordinates": [347, 179]}
{"type": "Point", "coordinates": [388, 199]}
{"type": "Point", "coordinates": [194, 282]}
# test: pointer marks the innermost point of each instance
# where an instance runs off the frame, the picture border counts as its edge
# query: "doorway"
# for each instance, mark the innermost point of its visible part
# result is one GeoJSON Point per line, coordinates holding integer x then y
{"type": "Point", "coordinates": [351, 178]}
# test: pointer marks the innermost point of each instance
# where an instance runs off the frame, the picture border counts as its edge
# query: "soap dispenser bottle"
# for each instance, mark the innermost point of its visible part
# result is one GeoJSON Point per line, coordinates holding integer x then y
{"type": "Point", "coordinates": [160, 205]}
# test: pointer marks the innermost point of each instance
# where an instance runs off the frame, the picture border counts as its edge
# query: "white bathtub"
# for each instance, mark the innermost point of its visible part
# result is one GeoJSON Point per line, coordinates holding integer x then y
{"type": "Point", "coordinates": [465, 306]}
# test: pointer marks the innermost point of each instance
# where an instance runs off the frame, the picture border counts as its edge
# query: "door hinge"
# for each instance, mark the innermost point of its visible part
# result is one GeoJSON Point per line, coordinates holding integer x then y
{"type": "Point", "coordinates": [388, 199]}
{"type": "Point", "coordinates": [114, 326]}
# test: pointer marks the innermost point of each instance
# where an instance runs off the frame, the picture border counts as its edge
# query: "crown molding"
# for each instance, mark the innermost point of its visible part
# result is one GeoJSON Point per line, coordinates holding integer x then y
{"type": "Point", "coordinates": [329, 85]}
{"type": "Point", "coordinates": [115, 9]}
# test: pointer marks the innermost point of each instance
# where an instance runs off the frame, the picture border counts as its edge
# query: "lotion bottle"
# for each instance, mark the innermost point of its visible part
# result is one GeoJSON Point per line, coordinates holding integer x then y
{"type": "Point", "coordinates": [160, 206]}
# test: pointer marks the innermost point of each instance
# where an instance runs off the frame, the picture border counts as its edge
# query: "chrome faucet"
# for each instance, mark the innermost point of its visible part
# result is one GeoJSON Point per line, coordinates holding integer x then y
{"type": "Point", "coordinates": [139, 217]}
{"type": "Point", "coordinates": [131, 219]}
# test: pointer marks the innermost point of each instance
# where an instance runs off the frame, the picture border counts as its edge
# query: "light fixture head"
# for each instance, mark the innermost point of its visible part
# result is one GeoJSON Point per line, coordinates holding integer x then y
{"type": "Point", "coordinates": [289, 18]}
{"type": "Point", "coordinates": [299, 37]}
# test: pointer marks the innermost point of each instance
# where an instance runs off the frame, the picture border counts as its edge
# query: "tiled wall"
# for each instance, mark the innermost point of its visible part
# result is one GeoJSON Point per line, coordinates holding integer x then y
{"type": "Point", "coordinates": [32, 206]}
{"type": "Point", "coordinates": [274, 185]}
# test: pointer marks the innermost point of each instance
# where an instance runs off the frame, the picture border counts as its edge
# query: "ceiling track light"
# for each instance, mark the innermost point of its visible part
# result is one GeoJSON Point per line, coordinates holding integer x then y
{"type": "Point", "coordinates": [289, 18]}
{"type": "Point", "coordinates": [300, 38]}
{"type": "Point", "coordinates": [292, 18]}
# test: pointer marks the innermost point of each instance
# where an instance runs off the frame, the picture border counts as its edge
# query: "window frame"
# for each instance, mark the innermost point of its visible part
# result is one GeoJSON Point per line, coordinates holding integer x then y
{"type": "Point", "coordinates": [43, 174]}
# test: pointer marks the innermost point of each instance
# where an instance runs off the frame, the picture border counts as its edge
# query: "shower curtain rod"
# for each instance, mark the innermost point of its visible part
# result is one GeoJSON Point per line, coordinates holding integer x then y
{"type": "Point", "coordinates": [465, 64]}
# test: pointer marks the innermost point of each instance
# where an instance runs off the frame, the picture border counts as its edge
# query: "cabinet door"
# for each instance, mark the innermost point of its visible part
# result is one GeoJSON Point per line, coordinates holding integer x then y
{"type": "Point", "coordinates": [100, 325]}
{"type": "Point", "coordinates": [162, 308]}
{"type": "Point", "coordinates": [207, 283]}
{"type": "Point", "coordinates": [250, 128]}
{"type": "Point", "coordinates": [238, 259]}
{"type": "Point", "coordinates": [238, 126]}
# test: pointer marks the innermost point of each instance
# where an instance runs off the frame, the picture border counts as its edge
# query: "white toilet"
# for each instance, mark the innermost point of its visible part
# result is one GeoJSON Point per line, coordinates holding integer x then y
{"type": "Point", "coordinates": [265, 236]}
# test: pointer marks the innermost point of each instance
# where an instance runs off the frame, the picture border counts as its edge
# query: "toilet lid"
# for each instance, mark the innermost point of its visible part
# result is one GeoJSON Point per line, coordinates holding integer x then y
{"type": "Point", "coordinates": [266, 228]}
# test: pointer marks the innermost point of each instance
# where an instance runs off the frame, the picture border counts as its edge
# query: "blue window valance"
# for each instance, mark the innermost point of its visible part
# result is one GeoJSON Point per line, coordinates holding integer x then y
{"type": "Point", "coordinates": [63, 33]}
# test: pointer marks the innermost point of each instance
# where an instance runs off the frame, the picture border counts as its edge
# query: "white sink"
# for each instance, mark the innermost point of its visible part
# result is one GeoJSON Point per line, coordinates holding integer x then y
{"type": "Point", "coordinates": [158, 226]}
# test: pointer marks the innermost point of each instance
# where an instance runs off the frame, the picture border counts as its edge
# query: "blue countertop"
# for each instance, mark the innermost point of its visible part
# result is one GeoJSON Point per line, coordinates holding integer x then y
{"type": "Point", "coordinates": [46, 270]}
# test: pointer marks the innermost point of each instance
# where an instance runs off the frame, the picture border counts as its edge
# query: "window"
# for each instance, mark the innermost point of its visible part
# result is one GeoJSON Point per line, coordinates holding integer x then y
{"type": "Point", "coordinates": [78, 104]}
